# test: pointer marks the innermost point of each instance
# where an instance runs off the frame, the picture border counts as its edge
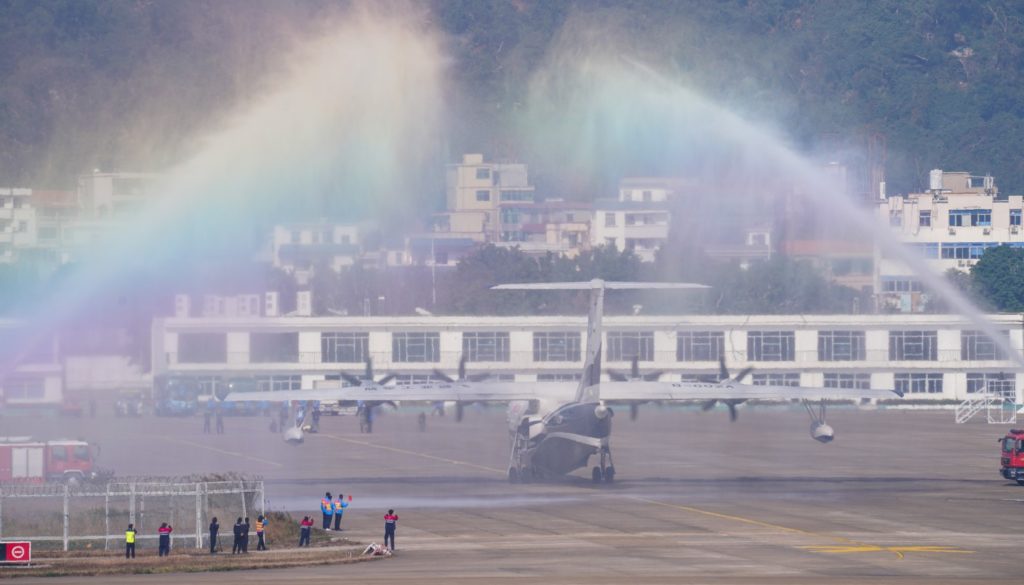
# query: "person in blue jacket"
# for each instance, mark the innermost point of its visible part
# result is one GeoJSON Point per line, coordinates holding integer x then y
{"type": "Point", "coordinates": [327, 509]}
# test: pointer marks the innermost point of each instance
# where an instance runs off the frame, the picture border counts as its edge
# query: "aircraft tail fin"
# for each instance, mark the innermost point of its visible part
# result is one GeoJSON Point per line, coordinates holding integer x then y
{"type": "Point", "coordinates": [590, 382]}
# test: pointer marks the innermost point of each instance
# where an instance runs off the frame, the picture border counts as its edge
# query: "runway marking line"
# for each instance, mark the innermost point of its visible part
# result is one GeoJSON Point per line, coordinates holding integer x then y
{"type": "Point", "coordinates": [849, 545]}
{"type": "Point", "coordinates": [221, 451]}
{"type": "Point", "coordinates": [413, 453]}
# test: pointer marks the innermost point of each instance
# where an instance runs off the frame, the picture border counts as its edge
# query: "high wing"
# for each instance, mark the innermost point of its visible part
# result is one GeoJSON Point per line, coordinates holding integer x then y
{"type": "Point", "coordinates": [698, 391]}
{"type": "Point", "coordinates": [428, 392]}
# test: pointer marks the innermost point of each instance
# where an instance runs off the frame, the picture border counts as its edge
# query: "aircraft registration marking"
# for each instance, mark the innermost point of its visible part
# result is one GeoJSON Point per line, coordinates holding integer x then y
{"type": "Point", "coordinates": [413, 453]}
{"type": "Point", "coordinates": [848, 545]}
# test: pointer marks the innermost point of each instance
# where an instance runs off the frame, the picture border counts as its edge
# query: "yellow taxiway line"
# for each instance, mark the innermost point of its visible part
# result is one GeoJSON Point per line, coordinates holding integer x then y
{"type": "Point", "coordinates": [848, 546]}
{"type": "Point", "coordinates": [413, 453]}
{"type": "Point", "coordinates": [222, 451]}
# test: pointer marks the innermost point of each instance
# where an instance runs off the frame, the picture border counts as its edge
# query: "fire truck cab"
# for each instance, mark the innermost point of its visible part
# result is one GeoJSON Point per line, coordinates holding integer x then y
{"type": "Point", "coordinates": [1012, 460]}
{"type": "Point", "coordinates": [25, 460]}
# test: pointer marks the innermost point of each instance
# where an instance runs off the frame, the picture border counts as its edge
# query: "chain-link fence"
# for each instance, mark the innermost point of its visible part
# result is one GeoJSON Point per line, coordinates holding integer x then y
{"type": "Point", "coordinates": [82, 517]}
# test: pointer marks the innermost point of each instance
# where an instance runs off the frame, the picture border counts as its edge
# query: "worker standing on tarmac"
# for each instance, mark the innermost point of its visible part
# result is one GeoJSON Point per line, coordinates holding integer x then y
{"type": "Point", "coordinates": [261, 526]}
{"type": "Point", "coordinates": [207, 415]}
{"type": "Point", "coordinates": [220, 419]}
{"type": "Point", "coordinates": [390, 523]}
{"type": "Point", "coordinates": [339, 509]}
{"type": "Point", "coordinates": [214, 529]}
{"type": "Point", "coordinates": [306, 528]}
{"type": "Point", "coordinates": [245, 536]}
{"type": "Point", "coordinates": [165, 539]}
{"type": "Point", "coordinates": [327, 509]}
{"type": "Point", "coordinates": [129, 542]}
{"type": "Point", "coordinates": [237, 546]}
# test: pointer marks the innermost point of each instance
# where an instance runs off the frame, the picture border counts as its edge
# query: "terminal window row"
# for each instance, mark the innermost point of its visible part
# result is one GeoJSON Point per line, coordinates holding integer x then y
{"type": "Point", "coordinates": [558, 346]}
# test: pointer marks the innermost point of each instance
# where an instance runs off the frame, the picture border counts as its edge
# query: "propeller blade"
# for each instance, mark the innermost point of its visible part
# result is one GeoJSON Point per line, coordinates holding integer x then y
{"type": "Point", "coordinates": [369, 369]}
{"type": "Point", "coordinates": [653, 376]}
{"type": "Point", "coordinates": [732, 411]}
{"type": "Point", "coordinates": [459, 411]}
{"type": "Point", "coordinates": [478, 377]}
{"type": "Point", "coordinates": [708, 405]}
{"type": "Point", "coordinates": [353, 380]}
{"type": "Point", "coordinates": [462, 367]}
{"type": "Point", "coordinates": [634, 367]}
{"type": "Point", "coordinates": [634, 411]}
{"type": "Point", "coordinates": [443, 376]}
{"type": "Point", "coordinates": [723, 372]}
{"type": "Point", "coordinates": [616, 377]}
{"type": "Point", "coordinates": [386, 379]}
{"type": "Point", "coordinates": [743, 374]}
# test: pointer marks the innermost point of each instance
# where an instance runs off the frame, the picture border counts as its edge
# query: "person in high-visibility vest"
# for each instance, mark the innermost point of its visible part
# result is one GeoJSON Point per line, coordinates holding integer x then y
{"type": "Point", "coordinates": [129, 542]}
{"type": "Point", "coordinates": [339, 509]}
{"type": "Point", "coordinates": [327, 508]}
{"type": "Point", "coordinates": [261, 526]}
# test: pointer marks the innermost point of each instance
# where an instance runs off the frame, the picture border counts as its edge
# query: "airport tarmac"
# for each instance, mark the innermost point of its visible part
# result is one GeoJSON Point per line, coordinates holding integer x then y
{"type": "Point", "coordinates": [902, 496]}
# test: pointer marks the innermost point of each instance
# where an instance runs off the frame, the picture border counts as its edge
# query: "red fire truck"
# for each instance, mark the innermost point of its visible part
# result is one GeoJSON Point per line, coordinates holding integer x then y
{"type": "Point", "coordinates": [1012, 460]}
{"type": "Point", "coordinates": [25, 460]}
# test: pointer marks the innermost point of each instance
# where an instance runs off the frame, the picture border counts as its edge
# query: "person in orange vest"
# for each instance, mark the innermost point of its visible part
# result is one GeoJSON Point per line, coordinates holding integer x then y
{"type": "Point", "coordinates": [261, 526]}
{"type": "Point", "coordinates": [339, 509]}
{"type": "Point", "coordinates": [327, 509]}
{"type": "Point", "coordinates": [390, 523]}
{"type": "Point", "coordinates": [165, 539]}
{"type": "Point", "coordinates": [129, 542]}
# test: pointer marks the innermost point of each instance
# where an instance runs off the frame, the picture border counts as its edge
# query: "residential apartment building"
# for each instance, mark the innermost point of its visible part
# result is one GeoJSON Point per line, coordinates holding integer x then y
{"type": "Point", "coordinates": [475, 191]}
{"type": "Point", "coordinates": [18, 228]}
{"type": "Point", "coordinates": [951, 225]}
{"type": "Point", "coordinates": [925, 356]}
{"type": "Point", "coordinates": [638, 219]}
{"type": "Point", "coordinates": [109, 195]}
{"type": "Point", "coordinates": [299, 247]}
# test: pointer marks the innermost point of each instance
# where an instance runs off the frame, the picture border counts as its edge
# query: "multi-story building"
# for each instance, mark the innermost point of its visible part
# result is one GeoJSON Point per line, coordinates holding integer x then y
{"type": "Point", "coordinates": [297, 248]}
{"type": "Point", "coordinates": [951, 226]}
{"type": "Point", "coordinates": [926, 356]}
{"type": "Point", "coordinates": [36, 380]}
{"type": "Point", "coordinates": [106, 195]}
{"type": "Point", "coordinates": [475, 192]}
{"type": "Point", "coordinates": [638, 219]}
{"type": "Point", "coordinates": [555, 225]}
{"type": "Point", "coordinates": [18, 229]}
{"type": "Point", "coordinates": [56, 214]}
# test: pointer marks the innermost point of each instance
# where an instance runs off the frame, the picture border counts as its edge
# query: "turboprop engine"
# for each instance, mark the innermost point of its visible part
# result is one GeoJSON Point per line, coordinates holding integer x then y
{"type": "Point", "coordinates": [822, 432]}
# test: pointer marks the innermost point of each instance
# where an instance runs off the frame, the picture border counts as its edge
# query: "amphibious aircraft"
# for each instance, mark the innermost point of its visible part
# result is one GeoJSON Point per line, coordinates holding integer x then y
{"type": "Point", "coordinates": [556, 427]}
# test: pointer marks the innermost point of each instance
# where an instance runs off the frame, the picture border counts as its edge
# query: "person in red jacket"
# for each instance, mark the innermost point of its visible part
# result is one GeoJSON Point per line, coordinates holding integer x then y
{"type": "Point", "coordinates": [306, 526]}
{"type": "Point", "coordinates": [390, 523]}
{"type": "Point", "coordinates": [165, 539]}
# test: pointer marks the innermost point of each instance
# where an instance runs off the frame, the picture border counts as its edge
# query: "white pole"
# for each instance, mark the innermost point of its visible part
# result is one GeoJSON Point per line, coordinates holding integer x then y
{"type": "Point", "coordinates": [199, 516]}
{"type": "Point", "coordinates": [66, 498]}
{"type": "Point", "coordinates": [106, 519]}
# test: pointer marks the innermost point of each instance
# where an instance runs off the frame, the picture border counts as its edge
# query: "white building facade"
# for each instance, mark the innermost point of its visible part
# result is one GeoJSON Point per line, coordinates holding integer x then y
{"type": "Point", "coordinates": [928, 357]}
{"type": "Point", "coordinates": [18, 228]}
{"type": "Point", "coordinates": [951, 226]}
{"type": "Point", "coordinates": [638, 220]}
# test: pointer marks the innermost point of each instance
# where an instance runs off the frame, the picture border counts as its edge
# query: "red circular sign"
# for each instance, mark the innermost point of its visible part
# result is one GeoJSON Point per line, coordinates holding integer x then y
{"type": "Point", "coordinates": [17, 552]}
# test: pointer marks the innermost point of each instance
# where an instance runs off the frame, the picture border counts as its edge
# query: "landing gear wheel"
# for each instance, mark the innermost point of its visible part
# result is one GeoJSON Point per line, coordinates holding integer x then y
{"type": "Point", "coordinates": [1020, 482]}
{"type": "Point", "coordinates": [596, 475]}
{"type": "Point", "coordinates": [513, 475]}
{"type": "Point", "coordinates": [609, 474]}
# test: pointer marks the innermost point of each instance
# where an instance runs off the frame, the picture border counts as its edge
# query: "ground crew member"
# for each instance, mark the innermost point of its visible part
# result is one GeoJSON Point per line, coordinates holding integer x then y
{"type": "Point", "coordinates": [261, 526]}
{"type": "Point", "coordinates": [421, 420]}
{"type": "Point", "coordinates": [220, 420]}
{"type": "Point", "coordinates": [327, 508]}
{"type": "Point", "coordinates": [390, 522]}
{"type": "Point", "coordinates": [306, 526]}
{"type": "Point", "coordinates": [214, 529]}
{"type": "Point", "coordinates": [129, 542]}
{"type": "Point", "coordinates": [207, 415]}
{"type": "Point", "coordinates": [282, 416]}
{"type": "Point", "coordinates": [339, 509]}
{"type": "Point", "coordinates": [237, 546]}
{"type": "Point", "coordinates": [245, 536]}
{"type": "Point", "coordinates": [165, 539]}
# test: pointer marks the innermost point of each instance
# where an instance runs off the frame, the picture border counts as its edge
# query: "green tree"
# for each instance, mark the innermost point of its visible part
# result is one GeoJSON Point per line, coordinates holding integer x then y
{"type": "Point", "coordinates": [999, 278]}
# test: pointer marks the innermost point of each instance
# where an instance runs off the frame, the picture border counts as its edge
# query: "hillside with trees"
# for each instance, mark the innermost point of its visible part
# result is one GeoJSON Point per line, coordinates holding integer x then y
{"type": "Point", "coordinates": [131, 83]}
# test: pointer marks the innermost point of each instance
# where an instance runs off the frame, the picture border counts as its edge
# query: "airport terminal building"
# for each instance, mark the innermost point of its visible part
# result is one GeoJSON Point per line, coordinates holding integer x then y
{"type": "Point", "coordinates": [935, 357]}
